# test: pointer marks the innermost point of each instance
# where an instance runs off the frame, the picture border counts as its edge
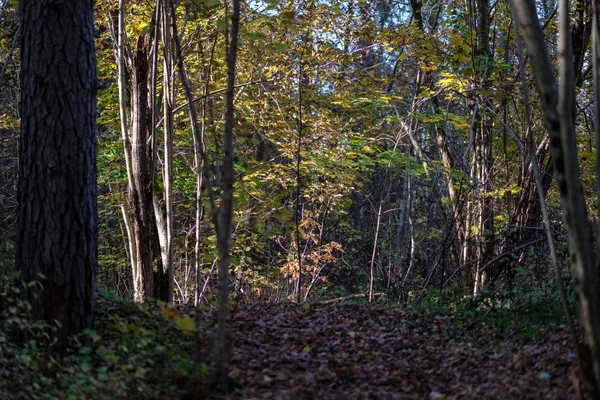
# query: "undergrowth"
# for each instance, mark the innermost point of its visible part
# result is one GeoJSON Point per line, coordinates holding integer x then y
{"type": "Point", "coordinates": [151, 351]}
{"type": "Point", "coordinates": [134, 352]}
{"type": "Point", "coordinates": [525, 315]}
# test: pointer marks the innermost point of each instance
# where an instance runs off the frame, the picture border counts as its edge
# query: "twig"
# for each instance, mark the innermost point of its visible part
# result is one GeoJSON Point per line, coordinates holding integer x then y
{"type": "Point", "coordinates": [354, 296]}
{"type": "Point", "coordinates": [493, 260]}
{"type": "Point", "coordinates": [197, 99]}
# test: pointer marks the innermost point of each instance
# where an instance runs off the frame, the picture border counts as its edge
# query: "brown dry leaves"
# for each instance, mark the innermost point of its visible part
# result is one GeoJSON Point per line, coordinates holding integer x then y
{"type": "Point", "coordinates": [357, 352]}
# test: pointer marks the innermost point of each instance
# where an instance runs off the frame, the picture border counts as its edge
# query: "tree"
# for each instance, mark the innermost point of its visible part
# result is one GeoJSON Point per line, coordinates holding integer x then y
{"type": "Point", "coordinates": [223, 216]}
{"type": "Point", "coordinates": [226, 206]}
{"type": "Point", "coordinates": [136, 133]}
{"type": "Point", "coordinates": [139, 189]}
{"type": "Point", "coordinates": [559, 120]}
{"type": "Point", "coordinates": [57, 232]}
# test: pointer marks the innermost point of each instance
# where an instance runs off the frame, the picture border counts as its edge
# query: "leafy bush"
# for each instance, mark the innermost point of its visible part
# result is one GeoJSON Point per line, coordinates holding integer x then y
{"type": "Point", "coordinates": [135, 351]}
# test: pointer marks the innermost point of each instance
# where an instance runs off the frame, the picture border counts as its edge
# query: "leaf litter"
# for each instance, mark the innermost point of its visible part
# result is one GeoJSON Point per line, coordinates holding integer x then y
{"type": "Point", "coordinates": [347, 351]}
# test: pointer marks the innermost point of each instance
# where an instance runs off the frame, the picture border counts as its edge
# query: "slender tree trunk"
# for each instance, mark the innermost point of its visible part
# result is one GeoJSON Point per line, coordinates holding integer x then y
{"type": "Point", "coordinates": [140, 188]}
{"type": "Point", "coordinates": [199, 150]}
{"type": "Point", "coordinates": [297, 211]}
{"type": "Point", "coordinates": [130, 243]}
{"type": "Point", "coordinates": [197, 230]}
{"type": "Point", "coordinates": [429, 79]}
{"type": "Point", "coordinates": [401, 230]}
{"type": "Point", "coordinates": [57, 214]}
{"type": "Point", "coordinates": [226, 207]}
{"type": "Point", "coordinates": [154, 100]}
{"type": "Point", "coordinates": [559, 118]}
{"type": "Point", "coordinates": [161, 229]}
{"type": "Point", "coordinates": [122, 82]}
{"type": "Point", "coordinates": [375, 244]}
{"type": "Point", "coordinates": [168, 94]}
{"type": "Point", "coordinates": [411, 231]}
{"type": "Point", "coordinates": [483, 151]}
{"type": "Point", "coordinates": [223, 217]}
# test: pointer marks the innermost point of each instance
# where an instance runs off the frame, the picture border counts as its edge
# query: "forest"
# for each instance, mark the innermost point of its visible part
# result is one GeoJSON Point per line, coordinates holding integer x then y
{"type": "Point", "coordinates": [299, 199]}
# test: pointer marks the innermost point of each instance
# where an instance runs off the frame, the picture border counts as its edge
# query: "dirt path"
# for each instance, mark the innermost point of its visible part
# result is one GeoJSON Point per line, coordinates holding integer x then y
{"type": "Point", "coordinates": [356, 352]}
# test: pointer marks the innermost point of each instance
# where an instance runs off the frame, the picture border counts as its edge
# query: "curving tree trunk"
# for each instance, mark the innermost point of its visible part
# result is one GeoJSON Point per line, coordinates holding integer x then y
{"type": "Point", "coordinates": [57, 214]}
{"type": "Point", "coordinates": [559, 121]}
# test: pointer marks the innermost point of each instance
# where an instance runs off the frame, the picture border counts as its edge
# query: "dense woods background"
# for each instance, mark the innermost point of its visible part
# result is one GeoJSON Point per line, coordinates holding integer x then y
{"type": "Point", "coordinates": [378, 149]}
{"type": "Point", "coordinates": [380, 145]}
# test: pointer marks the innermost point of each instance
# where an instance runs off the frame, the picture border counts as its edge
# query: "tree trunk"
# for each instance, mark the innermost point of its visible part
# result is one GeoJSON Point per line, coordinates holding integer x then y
{"type": "Point", "coordinates": [161, 229]}
{"type": "Point", "coordinates": [139, 189]}
{"type": "Point", "coordinates": [559, 118]}
{"type": "Point", "coordinates": [223, 217]}
{"type": "Point", "coordinates": [122, 82]}
{"type": "Point", "coordinates": [455, 212]}
{"type": "Point", "coordinates": [226, 208]}
{"type": "Point", "coordinates": [483, 153]}
{"type": "Point", "coordinates": [168, 133]}
{"type": "Point", "coordinates": [130, 243]}
{"type": "Point", "coordinates": [57, 216]}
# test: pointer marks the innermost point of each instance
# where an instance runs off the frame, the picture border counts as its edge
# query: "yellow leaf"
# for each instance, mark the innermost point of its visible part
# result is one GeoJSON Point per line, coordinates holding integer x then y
{"type": "Point", "coordinates": [306, 349]}
{"type": "Point", "coordinates": [352, 334]}
{"type": "Point", "coordinates": [186, 323]}
{"type": "Point", "coordinates": [170, 314]}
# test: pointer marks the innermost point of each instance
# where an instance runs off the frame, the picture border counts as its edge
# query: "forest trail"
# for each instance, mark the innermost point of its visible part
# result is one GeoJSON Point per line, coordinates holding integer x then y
{"type": "Point", "coordinates": [345, 351]}
{"type": "Point", "coordinates": [293, 352]}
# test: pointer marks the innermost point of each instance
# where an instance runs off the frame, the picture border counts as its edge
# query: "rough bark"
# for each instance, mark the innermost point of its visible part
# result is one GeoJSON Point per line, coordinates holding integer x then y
{"type": "Point", "coordinates": [57, 217]}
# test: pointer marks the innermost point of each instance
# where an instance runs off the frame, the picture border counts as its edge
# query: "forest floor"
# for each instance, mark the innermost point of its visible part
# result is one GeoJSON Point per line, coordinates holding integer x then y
{"type": "Point", "coordinates": [289, 351]}
{"type": "Point", "coordinates": [358, 352]}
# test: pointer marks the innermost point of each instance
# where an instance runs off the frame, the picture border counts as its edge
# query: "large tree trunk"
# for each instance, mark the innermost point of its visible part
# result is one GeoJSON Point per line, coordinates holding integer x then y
{"type": "Point", "coordinates": [57, 181]}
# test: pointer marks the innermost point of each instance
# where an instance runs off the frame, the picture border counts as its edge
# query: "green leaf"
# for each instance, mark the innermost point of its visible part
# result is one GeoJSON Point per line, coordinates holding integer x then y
{"type": "Point", "coordinates": [280, 47]}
